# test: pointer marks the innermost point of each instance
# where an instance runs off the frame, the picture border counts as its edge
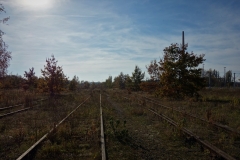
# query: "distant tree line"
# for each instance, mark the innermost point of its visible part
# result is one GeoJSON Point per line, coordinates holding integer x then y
{"type": "Point", "coordinates": [52, 81]}
{"type": "Point", "coordinates": [125, 81]}
{"type": "Point", "coordinates": [176, 75]}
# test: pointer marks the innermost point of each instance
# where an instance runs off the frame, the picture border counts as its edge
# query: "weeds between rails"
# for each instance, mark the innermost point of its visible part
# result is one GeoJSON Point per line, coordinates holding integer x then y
{"type": "Point", "coordinates": [28, 102]}
{"type": "Point", "coordinates": [50, 135]}
{"type": "Point", "coordinates": [17, 96]}
{"type": "Point", "coordinates": [20, 131]}
{"type": "Point", "coordinates": [192, 137]}
{"type": "Point", "coordinates": [225, 137]}
{"type": "Point", "coordinates": [216, 124]}
{"type": "Point", "coordinates": [182, 121]}
{"type": "Point", "coordinates": [183, 112]}
{"type": "Point", "coordinates": [136, 134]}
{"type": "Point", "coordinates": [10, 99]}
{"type": "Point", "coordinates": [76, 138]}
{"type": "Point", "coordinates": [24, 107]}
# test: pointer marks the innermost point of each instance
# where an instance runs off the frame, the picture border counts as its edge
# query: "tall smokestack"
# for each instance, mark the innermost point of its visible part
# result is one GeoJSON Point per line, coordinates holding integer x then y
{"type": "Point", "coordinates": [183, 40]}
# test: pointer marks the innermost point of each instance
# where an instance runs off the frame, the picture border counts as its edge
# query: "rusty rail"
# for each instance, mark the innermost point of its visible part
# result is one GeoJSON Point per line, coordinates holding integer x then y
{"type": "Point", "coordinates": [204, 143]}
{"type": "Point", "coordinates": [102, 134]}
{"type": "Point", "coordinates": [14, 112]}
{"type": "Point", "coordinates": [18, 111]}
{"type": "Point", "coordinates": [27, 152]}
{"type": "Point", "coordinates": [5, 108]}
{"type": "Point", "coordinates": [219, 125]}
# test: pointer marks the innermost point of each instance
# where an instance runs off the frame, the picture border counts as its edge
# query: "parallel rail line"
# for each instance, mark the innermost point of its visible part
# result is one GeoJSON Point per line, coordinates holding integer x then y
{"type": "Point", "coordinates": [9, 107]}
{"type": "Point", "coordinates": [103, 148]}
{"type": "Point", "coordinates": [5, 108]}
{"type": "Point", "coordinates": [18, 111]}
{"type": "Point", "coordinates": [35, 145]}
{"type": "Point", "coordinates": [14, 112]}
{"type": "Point", "coordinates": [219, 125]}
{"type": "Point", "coordinates": [204, 143]}
{"type": "Point", "coordinates": [201, 141]}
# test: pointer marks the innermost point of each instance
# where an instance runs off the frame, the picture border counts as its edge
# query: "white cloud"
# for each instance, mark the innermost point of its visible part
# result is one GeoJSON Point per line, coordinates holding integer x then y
{"type": "Point", "coordinates": [94, 41]}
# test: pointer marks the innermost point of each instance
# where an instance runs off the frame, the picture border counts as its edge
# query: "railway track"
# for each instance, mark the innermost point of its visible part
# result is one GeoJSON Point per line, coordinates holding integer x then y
{"type": "Point", "coordinates": [216, 124]}
{"type": "Point", "coordinates": [10, 107]}
{"type": "Point", "coordinates": [96, 133]}
{"type": "Point", "coordinates": [16, 111]}
{"type": "Point", "coordinates": [27, 153]}
{"type": "Point", "coordinates": [201, 141]}
{"type": "Point", "coordinates": [103, 148]}
{"type": "Point", "coordinates": [77, 136]}
{"type": "Point", "coordinates": [189, 133]}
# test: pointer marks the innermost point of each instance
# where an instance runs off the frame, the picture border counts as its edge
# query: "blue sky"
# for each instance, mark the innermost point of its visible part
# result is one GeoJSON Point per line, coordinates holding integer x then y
{"type": "Point", "coordinates": [94, 39]}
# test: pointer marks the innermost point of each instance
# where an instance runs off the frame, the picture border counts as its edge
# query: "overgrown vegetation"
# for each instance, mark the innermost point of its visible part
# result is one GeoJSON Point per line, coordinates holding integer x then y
{"type": "Point", "coordinates": [119, 131]}
{"type": "Point", "coordinates": [5, 56]}
{"type": "Point", "coordinates": [213, 111]}
{"type": "Point", "coordinates": [54, 76]}
{"type": "Point", "coordinates": [177, 76]}
{"type": "Point", "coordinates": [178, 72]}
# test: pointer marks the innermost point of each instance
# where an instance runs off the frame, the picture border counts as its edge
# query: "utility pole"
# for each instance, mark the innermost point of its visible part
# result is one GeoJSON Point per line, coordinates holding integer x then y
{"type": "Point", "coordinates": [209, 79]}
{"type": "Point", "coordinates": [183, 41]}
{"type": "Point", "coordinates": [234, 80]}
{"type": "Point", "coordinates": [203, 71]}
{"type": "Point", "coordinates": [224, 77]}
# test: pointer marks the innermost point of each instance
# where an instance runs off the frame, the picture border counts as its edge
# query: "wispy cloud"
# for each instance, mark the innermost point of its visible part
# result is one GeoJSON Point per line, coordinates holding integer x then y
{"type": "Point", "coordinates": [95, 40]}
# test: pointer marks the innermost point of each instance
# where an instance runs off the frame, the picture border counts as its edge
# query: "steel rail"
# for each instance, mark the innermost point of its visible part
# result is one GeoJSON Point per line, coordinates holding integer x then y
{"type": "Point", "coordinates": [103, 148]}
{"type": "Point", "coordinates": [204, 143]}
{"type": "Point", "coordinates": [5, 108]}
{"type": "Point", "coordinates": [11, 113]}
{"type": "Point", "coordinates": [219, 125]}
{"type": "Point", "coordinates": [18, 111]}
{"type": "Point", "coordinates": [27, 152]}
{"type": "Point", "coordinates": [201, 141]}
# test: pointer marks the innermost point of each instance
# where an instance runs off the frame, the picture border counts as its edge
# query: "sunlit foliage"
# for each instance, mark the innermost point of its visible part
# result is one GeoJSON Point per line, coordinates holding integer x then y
{"type": "Point", "coordinates": [137, 77]}
{"type": "Point", "coordinates": [179, 73]}
{"type": "Point", "coordinates": [54, 76]}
